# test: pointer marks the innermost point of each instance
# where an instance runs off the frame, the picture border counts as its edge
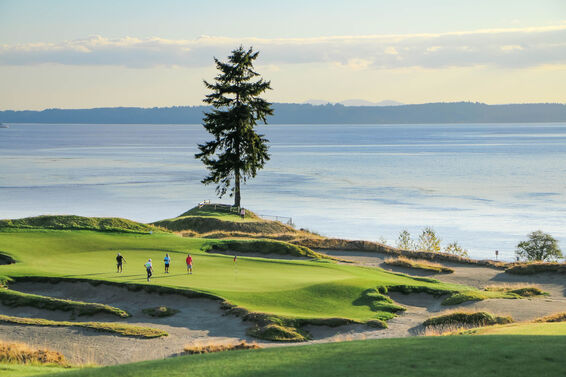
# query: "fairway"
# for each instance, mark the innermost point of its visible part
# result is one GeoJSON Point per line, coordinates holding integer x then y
{"type": "Point", "coordinates": [294, 288]}
{"type": "Point", "coordinates": [468, 356]}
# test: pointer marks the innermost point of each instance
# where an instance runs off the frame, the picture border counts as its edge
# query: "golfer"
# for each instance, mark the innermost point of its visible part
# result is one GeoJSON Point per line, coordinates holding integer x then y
{"type": "Point", "coordinates": [149, 269]}
{"type": "Point", "coordinates": [119, 260]}
{"type": "Point", "coordinates": [189, 261]}
{"type": "Point", "coordinates": [167, 261]}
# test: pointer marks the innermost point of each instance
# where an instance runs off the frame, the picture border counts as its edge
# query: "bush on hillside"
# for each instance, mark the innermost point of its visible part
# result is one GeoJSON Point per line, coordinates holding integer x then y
{"type": "Point", "coordinates": [539, 247]}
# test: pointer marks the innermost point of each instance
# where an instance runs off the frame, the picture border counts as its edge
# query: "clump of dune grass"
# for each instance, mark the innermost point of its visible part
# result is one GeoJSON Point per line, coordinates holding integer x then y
{"type": "Point", "coordinates": [14, 299]}
{"type": "Point", "coordinates": [466, 318]}
{"type": "Point", "coordinates": [263, 247]}
{"type": "Point", "coordinates": [160, 311]}
{"type": "Point", "coordinates": [214, 347]}
{"type": "Point", "coordinates": [273, 331]}
{"type": "Point", "coordinates": [522, 290]}
{"type": "Point", "coordinates": [531, 268]}
{"type": "Point", "coordinates": [20, 353]}
{"type": "Point", "coordinates": [116, 328]}
{"type": "Point", "coordinates": [419, 264]}
{"type": "Point", "coordinates": [556, 317]}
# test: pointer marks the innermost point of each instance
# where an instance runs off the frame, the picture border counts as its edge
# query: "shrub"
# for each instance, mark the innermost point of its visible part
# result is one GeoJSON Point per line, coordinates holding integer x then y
{"type": "Point", "coordinates": [405, 242]}
{"type": "Point", "coordinates": [455, 249]}
{"type": "Point", "coordinates": [539, 247]}
{"type": "Point", "coordinates": [429, 241]}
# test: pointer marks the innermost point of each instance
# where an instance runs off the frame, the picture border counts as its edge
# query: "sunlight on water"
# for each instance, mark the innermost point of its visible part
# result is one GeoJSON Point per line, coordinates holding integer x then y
{"type": "Point", "coordinates": [485, 186]}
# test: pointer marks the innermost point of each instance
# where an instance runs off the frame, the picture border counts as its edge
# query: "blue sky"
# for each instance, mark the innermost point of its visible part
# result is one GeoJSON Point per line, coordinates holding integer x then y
{"type": "Point", "coordinates": [73, 54]}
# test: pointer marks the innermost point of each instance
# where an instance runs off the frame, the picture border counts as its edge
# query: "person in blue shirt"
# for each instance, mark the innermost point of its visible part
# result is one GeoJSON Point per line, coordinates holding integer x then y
{"type": "Point", "coordinates": [167, 261]}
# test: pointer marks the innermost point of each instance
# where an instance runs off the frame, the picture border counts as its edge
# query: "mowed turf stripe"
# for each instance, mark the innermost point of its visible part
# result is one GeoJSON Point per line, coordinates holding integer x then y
{"type": "Point", "coordinates": [470, 356]}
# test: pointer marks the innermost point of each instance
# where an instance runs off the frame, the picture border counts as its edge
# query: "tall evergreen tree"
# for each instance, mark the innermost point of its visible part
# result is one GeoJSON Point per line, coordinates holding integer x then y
{"type": "Point", "coordinates": [237, 151]}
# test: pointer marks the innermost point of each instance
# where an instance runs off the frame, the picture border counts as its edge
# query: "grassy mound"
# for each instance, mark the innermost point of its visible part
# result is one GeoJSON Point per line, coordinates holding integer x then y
{"type": "Point", "coordinates": [518, 289]}
{"type": "Point", "coordinates": [14, 299]}
{"type": "Point", "coordinates": [470, 356]}
{"type": "Point", "coordinates": [263, 247]}
{"type": "Point", "coordinates": [219, 219]}
{"type": "Point", "coordinates": [160, 311]}
{"type": "Point", "coordinates": [465, 318]}
{"type": "Point", "coordinates": [70, 222]}
{"type": "Point", "coordinates": [418, 264]}
{"type": "Point", "coordinates": [19, 353]}
{"type": "Point", "coordinates": [536, 268]}
{"type": "Point", "coordinates": [116, 328]}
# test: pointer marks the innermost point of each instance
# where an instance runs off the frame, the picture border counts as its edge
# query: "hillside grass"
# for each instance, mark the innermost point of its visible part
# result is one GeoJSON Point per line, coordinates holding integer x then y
{"type": "Point", "coordinates": [123, 329]}
{"type": "Point", "coordinates": [71, 222]}
{"type": "Point", "coordinates": [523, 328]}
{"type": "Point", "coordinates": [470, 356]}
{"type": "Point", "coordinates": [26, 370]}
{"type": "Point", "coordinates": [14, 299]}
{"type": "Point", "coordinates": [291, 289]}
{"type": "Point", "coordinates": [220, 220]}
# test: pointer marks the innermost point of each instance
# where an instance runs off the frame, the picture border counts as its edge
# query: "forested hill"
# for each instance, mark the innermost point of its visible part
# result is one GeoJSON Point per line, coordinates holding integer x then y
{"type": "Point", "coordinates": [288, 113]}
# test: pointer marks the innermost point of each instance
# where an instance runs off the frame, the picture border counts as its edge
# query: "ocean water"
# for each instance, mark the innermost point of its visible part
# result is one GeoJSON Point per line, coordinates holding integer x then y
{"type": "Point", "coordinates": [484, 185]}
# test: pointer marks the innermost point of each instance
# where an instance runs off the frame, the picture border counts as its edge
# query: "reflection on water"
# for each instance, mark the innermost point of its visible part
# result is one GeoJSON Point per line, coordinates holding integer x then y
{"type": "Point", "coordinates": [485, 186]}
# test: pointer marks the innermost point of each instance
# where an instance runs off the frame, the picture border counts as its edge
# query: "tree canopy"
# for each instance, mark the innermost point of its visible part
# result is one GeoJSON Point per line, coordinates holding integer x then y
{"type": "Point", "coordinates": [237, 151]}
{"type": "Point", "coordinates": [539, 247]}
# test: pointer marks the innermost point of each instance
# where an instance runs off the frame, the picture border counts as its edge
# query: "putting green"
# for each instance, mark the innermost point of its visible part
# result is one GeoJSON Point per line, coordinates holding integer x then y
{"type": "Point", "coordinates": [300, 289]}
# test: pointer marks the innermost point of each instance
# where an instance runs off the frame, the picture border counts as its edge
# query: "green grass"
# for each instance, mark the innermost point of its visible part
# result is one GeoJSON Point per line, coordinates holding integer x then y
{"type": "Point", "coordinates": [287, 288]}
{"type": "Point", "coordinates": [16, 370]}
{"type": "Point", "coordinates": [208, 219]}
{"type": "Point", "coordinates": [71, 222]}
{"type": "Point", "coordinates": [528, 328]}
{"type": "Point", "coordinates": [110, 327]}
{"type": "Point", "coordinates": [13, 298]}
{"type": "Point", "coordinates": [470, 356]}
{"type": "Point", "coordinates": [264, 247]}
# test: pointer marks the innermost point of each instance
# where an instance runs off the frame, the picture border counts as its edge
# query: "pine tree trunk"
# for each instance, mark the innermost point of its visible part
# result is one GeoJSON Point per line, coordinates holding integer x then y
{"type": "Point", "coordinates": [237, 189]}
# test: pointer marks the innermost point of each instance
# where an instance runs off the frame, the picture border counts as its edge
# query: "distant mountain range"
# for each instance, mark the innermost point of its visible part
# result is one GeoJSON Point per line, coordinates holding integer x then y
{"type": "Point", "coordinates": [354, 102]}
{"type": "Point", "coordinates": [290, 113]}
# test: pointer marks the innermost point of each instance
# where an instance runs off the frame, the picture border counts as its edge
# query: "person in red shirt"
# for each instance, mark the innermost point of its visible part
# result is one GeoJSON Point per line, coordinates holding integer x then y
{"type": "Point", "coordinates": [189, 261]}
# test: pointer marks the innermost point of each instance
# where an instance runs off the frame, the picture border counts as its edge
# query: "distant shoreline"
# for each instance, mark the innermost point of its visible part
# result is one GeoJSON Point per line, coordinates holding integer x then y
{"type": "Point", "coordinates": [287, 113]}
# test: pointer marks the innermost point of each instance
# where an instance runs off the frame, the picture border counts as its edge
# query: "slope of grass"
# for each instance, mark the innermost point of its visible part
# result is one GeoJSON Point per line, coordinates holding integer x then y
{"type": "Point", "coordinates": [71, 222]}
{"type": "Point", "coordinates": [523, 328]}
{"type": "Point", "coordinates": [264, 247]}
{"type": "Point", "coordinates": [214, 218]}
{"type": "Point", "coordinates": [302, 289]}
{"type": "Point", "coordinates": [24, 370]}
{"type": "Point", "coordinates": [468, 356]}
{"type": "Point", "coordinates": [111, 327]}
{"type": "Point", "coordinates": [13, 298]}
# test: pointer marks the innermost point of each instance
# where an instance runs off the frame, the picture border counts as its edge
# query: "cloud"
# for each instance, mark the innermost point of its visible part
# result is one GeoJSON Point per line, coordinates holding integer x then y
{"type": "Point", "coordinates": [517, 47]}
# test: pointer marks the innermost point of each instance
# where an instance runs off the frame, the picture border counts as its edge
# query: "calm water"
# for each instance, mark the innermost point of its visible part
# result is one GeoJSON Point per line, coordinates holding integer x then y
{"type": "Point", "coordinates": [485, 186]}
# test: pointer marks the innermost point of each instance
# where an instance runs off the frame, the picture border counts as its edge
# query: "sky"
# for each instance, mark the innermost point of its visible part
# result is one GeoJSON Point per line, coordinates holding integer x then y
{"type": "Point", "coordinates": [84, 54]}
